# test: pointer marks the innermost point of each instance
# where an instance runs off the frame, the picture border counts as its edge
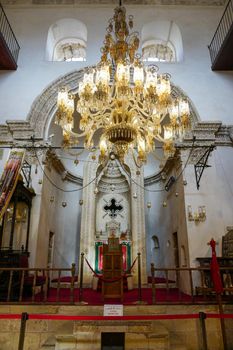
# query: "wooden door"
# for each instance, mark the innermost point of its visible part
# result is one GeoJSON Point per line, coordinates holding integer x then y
{"type": "Point", "coordinates": [112, 270]}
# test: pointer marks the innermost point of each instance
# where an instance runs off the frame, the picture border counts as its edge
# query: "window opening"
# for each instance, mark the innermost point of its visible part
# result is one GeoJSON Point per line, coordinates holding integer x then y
{"type": "Point", "coordinates": [155, 242]}
{"type": "Point", "coordinates": [162, 42]}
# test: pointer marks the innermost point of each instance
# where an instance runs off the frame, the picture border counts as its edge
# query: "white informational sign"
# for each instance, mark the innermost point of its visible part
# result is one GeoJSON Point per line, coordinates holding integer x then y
{"type": "Point", "coordinates": [113, 310]}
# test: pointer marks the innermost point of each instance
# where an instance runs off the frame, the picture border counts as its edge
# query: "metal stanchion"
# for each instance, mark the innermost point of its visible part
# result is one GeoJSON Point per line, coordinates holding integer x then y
{"type": "Point", "coordinates": [139, 278]}
{"type": "Point", "coordinates": [222, 321]}
{"type": "Point", "coordinates": [139, 301]}
{"type": "Point", "coordinates": [81, 280]}
{"type": "Point", "coordinates": [202, 317]}
{"type": "Point", "coordinates": [24, 318]}
{"type": "Point", "coordinates": [153, 282]}
{"type": "Point", "coordinates": [72, 283]}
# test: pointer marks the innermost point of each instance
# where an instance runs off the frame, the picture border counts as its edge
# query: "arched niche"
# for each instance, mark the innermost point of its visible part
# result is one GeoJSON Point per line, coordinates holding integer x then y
{"type": "Point", "coordinates": [162, 34]}
{"type": "Point", "coordinates": [113, 205]}
{"type": "Point", "coordinates": [66, 32]}
{"type": "Point", "coordinates": [137, 213]}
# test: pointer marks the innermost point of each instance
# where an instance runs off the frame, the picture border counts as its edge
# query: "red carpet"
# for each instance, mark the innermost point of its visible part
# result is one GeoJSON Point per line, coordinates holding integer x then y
{"type": "Point", "coordinates": [130, 297]}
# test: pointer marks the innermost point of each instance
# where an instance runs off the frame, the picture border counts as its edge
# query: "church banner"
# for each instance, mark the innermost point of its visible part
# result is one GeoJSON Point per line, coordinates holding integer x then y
{"type": "Point", "coordinates": [10, 177]}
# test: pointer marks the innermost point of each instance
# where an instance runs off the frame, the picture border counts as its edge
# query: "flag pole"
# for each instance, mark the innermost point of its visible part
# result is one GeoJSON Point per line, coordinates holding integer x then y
{"type": "Point", "coordinates": [218, 287]}
{"type": "Point", "coordinates": [222, 321]}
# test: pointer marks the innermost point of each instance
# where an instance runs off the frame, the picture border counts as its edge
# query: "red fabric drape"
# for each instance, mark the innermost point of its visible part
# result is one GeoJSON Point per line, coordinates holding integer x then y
{"type": "Point", "coordinates": [214, 268]}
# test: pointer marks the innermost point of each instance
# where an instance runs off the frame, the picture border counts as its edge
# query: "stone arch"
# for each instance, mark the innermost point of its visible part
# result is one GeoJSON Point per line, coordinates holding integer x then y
{"type": "Point", "coordinates": [45, 105]}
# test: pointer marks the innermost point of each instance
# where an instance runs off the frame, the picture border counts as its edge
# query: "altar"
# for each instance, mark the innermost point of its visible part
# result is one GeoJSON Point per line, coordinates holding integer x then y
{"type": "Point", "coordinates": [113, 230]}
{"type": "Point", "coordinates": [111, 210]}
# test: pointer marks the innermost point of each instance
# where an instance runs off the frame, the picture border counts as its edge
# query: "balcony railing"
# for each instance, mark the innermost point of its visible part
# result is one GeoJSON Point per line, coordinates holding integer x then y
{"type": "Point", "coordinates": [222, 32]}
{"type": "Point", "coordinates": [7, 35]}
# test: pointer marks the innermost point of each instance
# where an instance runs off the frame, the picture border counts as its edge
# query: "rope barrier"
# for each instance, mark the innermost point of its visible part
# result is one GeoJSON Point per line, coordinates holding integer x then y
{"type": "Point", "coordinates": [119, 318]}
{"type": "Point", "coordinates": [113, 279]}
{"type": "Point", "coordinates": [101, 278]}
{"type": "Point", "coordinates": [131, 267]}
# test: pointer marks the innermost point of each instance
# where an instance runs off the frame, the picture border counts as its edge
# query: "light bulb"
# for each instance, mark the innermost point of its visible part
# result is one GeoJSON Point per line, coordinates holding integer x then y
{"type": "Point", "coordinates": [138, 75]}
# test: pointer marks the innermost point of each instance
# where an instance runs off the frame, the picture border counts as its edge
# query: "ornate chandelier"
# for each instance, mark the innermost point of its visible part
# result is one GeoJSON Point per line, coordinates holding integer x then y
{"type": "Point", "coordinates": [128, 103]}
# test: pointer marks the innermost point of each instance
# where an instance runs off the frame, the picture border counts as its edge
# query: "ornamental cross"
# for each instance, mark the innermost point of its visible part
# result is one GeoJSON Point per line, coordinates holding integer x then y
{"type": "Point", "coordinates": [113, 209]}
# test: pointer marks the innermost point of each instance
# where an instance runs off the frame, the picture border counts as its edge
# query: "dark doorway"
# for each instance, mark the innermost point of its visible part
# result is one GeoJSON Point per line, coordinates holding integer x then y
{"type": "Point", "coordinates": [112, 341]}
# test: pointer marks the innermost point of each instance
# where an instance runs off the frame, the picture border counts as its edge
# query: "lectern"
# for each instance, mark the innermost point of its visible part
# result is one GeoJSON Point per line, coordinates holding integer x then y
{"type": "Point", "coordinates": [112, 285]}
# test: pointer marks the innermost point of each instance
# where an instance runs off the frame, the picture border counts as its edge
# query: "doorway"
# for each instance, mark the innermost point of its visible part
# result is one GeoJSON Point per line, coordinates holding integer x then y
{"type": "Point", "coordinates": [112, 341]}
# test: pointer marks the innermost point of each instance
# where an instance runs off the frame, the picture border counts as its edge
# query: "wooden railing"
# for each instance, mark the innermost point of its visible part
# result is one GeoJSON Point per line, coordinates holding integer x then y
{"type": "Point", "coordinates": [32, 285]}
{"type": "Point", "coordinates": [221, 32]}
{"type": "Point", "coordinates": [59, 286]}
{"type": "Point", "coordinates": [191, 289]}
{"type": "Point", "coordinates": [7, 33]}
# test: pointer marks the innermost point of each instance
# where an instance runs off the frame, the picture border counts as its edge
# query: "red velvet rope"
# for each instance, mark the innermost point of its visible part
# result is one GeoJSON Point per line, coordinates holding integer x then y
{"type": "Point", "coordinates": [119, 318]}
{"type": "Point", "coordinates": [109, 280]}
{"type": "Point", "coordinates": [131, 267]}
{"type": "Point", "coordinates": [100, 277]}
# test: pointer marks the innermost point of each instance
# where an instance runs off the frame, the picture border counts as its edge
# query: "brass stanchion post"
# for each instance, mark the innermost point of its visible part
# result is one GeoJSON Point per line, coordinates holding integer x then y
{"type": "Point", "coordinates": [81, 281]}
{"type": "Point", "coordinates": [139, 301]}
{"type": "Point", "coordinates": [72, 283]}
{"type": "Point", "coordinates": [139, 278]}
{"type": "Point", "coordinates": [222, 321]}
{"type": "Point", "coordinates": [24, 318]}
{"type": "Point", "coordinates": [153, 282]}
{"type": "Point", "coordinates": [202, 317]}
{"type": "Point", "coordinates": [81, 278]}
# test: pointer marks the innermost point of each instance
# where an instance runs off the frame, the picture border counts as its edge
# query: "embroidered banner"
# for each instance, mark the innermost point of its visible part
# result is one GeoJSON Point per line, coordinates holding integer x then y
{"type": "Point", "coordinates": [9, 178]}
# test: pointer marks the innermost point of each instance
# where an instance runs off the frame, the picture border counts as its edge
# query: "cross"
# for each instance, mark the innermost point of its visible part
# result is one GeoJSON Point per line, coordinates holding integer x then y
{"type": "Point", "coordinates": [113, 209]}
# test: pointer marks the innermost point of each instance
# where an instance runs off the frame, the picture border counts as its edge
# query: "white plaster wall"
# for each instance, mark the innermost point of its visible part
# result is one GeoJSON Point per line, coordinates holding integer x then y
{"type": "Point", "coordinates": [164, 221]}
{"type": "Point", "coordinates": [210, 91]}
{"type": "Point", "coordinates": [216, 193]}
{"type": "Point", "coordinates": [63, 221]}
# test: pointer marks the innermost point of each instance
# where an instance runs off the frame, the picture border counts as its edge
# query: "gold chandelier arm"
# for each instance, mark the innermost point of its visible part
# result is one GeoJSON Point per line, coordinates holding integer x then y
{"type": "Point", "coordinates": [138, 165]}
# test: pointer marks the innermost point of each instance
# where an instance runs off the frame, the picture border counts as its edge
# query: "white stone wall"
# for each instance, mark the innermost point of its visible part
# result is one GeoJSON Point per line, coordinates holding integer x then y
{"type": "Point", "coordinates": [216, 191]}
{"type": "Point", "coordinates": [63, 221]}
